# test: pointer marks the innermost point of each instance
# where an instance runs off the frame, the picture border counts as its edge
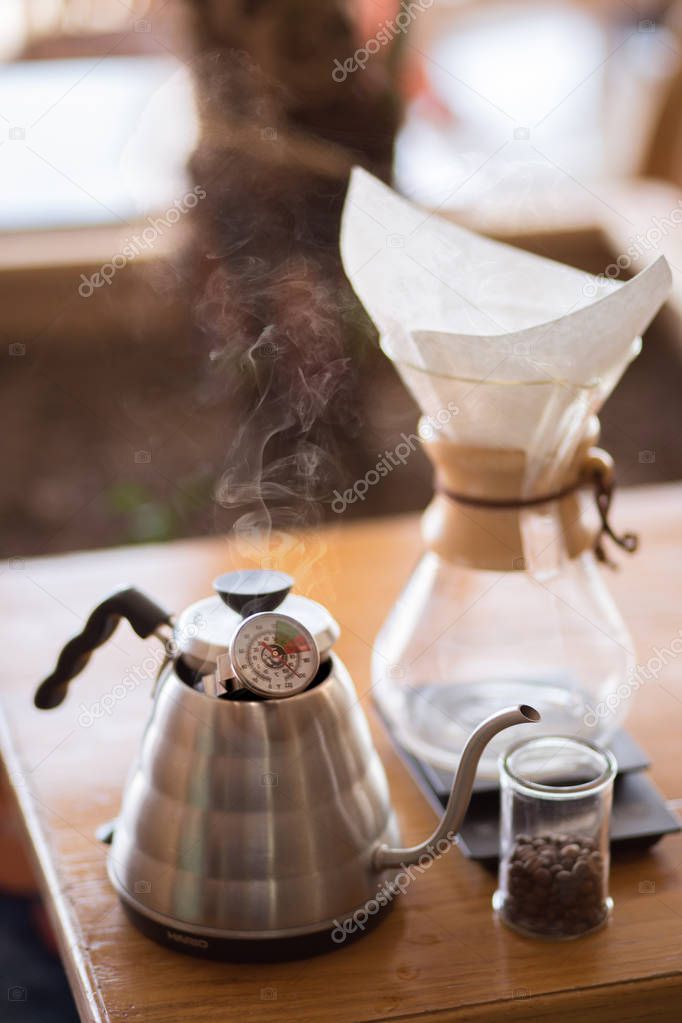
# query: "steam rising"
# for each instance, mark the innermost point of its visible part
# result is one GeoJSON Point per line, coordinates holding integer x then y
{"type": "Point", "coordinates": [281, 463]}
{"type": "Point", "coordinates": [278, 138]}
{"type": "Point", "coordinates": [290, 385]}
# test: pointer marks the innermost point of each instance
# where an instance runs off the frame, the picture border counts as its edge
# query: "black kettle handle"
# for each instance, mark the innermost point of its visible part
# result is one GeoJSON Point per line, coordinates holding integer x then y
{"type": "Point", "coordinates": [143, 614]}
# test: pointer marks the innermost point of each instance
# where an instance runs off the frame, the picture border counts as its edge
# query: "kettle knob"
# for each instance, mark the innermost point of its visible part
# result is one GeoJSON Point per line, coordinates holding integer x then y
{"type": "Point", "coordinates": [250, 591]}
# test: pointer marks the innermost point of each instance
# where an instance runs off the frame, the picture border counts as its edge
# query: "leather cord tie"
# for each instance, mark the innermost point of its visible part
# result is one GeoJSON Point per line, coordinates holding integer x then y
{"type": "Point", "coordinates": [604, 487]}
{"type": "Point", "coordinates": [603, 495]}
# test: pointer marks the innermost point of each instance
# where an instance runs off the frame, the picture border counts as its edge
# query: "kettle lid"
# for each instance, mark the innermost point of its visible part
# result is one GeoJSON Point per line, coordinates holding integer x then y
{"type": "Point", "coordinates": [204, 630]}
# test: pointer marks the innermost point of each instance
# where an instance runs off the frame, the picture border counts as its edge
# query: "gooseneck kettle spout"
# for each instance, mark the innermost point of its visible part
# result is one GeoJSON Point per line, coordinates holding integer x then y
{"type": "Point", "coordinates": [460, 794]}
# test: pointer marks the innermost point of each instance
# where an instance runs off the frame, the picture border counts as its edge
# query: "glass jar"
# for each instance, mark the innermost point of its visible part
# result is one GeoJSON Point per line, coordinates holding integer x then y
{"type": "Point", "coordinates": [554, 837]}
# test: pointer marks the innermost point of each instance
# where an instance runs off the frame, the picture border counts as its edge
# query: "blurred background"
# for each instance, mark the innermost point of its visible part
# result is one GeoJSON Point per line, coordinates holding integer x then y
{"type": "Point", "coordinates": [171, 179]}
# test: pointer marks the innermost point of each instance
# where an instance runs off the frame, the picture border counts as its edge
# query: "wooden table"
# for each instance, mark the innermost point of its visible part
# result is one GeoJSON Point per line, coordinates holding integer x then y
{"type": "Point", "coordinates": [441, 955]}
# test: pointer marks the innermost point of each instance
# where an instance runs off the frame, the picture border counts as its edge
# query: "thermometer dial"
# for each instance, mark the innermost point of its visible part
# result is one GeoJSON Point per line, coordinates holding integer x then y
{"type": "Point", "coordinates": [274, 655]}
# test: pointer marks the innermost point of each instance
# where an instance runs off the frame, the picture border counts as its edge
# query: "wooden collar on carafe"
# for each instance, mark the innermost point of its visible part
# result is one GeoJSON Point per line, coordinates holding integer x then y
{"type": "Point", "coordinates": [475, 517]}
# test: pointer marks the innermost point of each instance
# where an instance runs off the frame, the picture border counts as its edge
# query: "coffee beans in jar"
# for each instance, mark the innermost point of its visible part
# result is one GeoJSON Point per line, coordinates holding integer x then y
{"type": "Point", "coordinates": [556, 885]}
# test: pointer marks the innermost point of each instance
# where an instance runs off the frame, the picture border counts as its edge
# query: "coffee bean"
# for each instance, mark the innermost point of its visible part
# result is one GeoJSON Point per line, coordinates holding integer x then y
{"type": "Point", "coordinates": [555, 885]}
{"type": "Point", "coordinates": [582, 870]}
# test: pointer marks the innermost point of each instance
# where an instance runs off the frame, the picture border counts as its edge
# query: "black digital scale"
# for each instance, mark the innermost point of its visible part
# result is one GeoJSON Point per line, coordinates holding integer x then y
{"type": "Point", "coordinates": [640, 816]}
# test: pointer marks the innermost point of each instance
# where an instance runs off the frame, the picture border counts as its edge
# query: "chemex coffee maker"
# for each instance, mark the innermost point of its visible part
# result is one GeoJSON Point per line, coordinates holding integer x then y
{"type": "Point", "coordinates": [256, 821]}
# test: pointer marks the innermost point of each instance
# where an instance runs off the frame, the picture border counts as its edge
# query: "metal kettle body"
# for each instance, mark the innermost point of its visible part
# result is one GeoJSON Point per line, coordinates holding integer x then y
{"type": "Point", "coordinates": [252, 820]}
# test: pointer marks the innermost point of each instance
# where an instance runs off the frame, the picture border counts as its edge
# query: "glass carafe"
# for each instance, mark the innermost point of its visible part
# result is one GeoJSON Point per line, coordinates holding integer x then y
{"type": "Point", "coordinates": [508, 604]}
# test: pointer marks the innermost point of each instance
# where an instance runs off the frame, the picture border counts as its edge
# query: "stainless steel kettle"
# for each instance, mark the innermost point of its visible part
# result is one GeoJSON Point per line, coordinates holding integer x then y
{"type": "Point", "coordinates": [256, 821]}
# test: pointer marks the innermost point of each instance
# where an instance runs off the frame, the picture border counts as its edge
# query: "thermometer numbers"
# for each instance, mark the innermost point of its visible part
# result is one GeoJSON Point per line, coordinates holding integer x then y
{"type": "Point", "coordinates": [274, 655]}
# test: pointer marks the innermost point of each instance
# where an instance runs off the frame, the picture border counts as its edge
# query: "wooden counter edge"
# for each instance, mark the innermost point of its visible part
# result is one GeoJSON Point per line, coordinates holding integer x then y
{"type": "Point", "coordinates": [656, 998]}
{"type": "Point", "coordinates": [70, 942]}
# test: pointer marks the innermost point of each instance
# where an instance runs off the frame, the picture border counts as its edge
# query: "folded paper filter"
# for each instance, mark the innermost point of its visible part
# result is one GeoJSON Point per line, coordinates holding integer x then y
{"type": "Point", "coordinates": [503, 350]}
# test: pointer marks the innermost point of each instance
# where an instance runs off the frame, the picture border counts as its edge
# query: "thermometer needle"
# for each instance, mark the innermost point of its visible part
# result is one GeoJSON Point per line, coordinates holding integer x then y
{"type": "Point", "coordinates": [276, 655]}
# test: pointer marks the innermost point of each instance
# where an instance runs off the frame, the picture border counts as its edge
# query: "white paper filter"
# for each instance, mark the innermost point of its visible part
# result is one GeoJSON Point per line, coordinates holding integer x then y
{"type": "Point", "coordinates": [522, 347]}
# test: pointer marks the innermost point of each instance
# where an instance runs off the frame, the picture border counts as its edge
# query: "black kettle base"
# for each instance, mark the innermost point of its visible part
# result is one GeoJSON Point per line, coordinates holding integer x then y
{"type": "Point", "coordinates": [250, 950]}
